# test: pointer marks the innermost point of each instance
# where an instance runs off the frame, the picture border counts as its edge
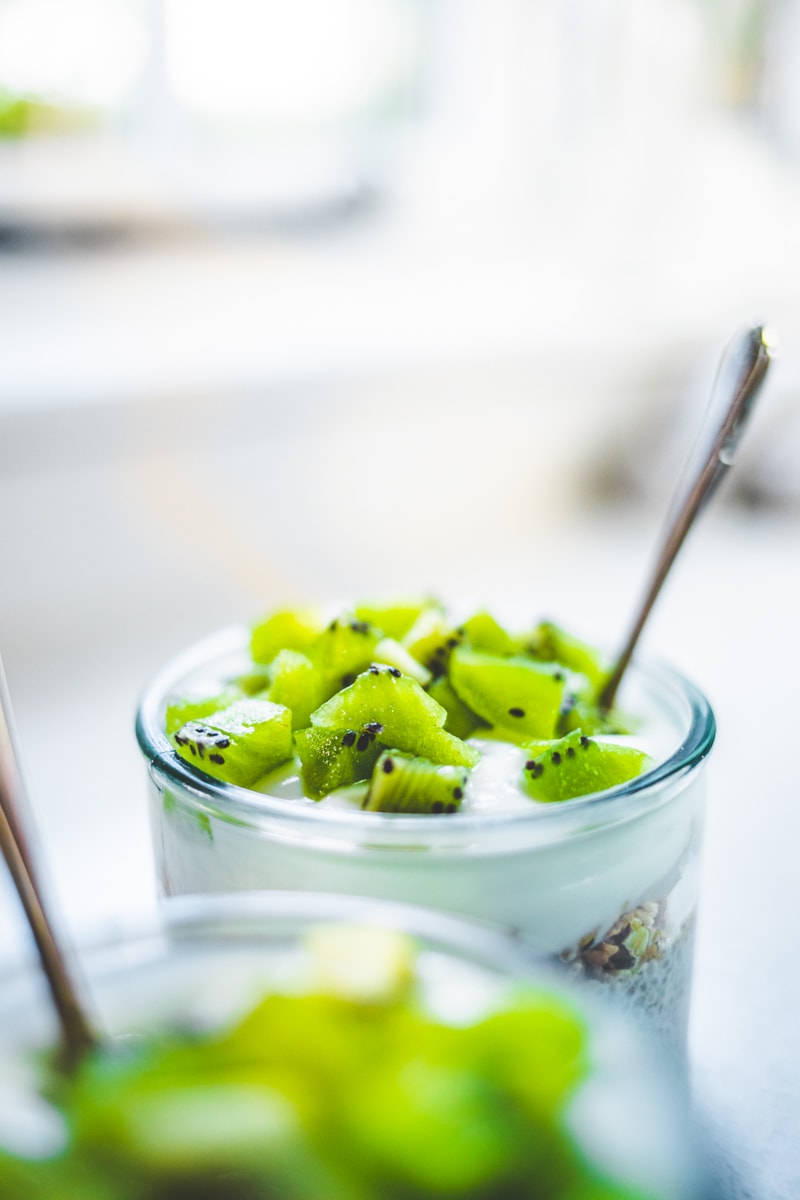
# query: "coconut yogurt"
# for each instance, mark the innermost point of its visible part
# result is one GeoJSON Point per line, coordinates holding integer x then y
{"type": "Point", "coordinates": [604, 884]}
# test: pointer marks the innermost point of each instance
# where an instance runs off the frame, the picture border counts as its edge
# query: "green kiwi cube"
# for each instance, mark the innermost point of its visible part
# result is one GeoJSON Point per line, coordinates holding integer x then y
{"type": "Point", "coordinates": [181, 709]}
{"type": "Point", "coordinates": [254, 682]}
{"type": "Point", "coordinates": [483, 632]}
{"type": "Point", "coordinates": [343, 650]}
{"type": "Point", "coordinates": [334, 758]}
{"type": "Point", "coordinates": [431, 639]}
{"type": "Point", "coordinates": [578, 712]}
{"type": "Point", "coordinates": [297, 684]}
{"type": "Point", "coordinates": [394, 654]}
{"type": "Point", "coordinates": [288, 629]}
{"type": "Point", "coordinates": [577, 765]}
{"type": "Point", "coordinates": [411, 784]}
{"type": "Point", "coordinates": [520, 698]}
{"type": "Point", "coordinates": [394, 618]}
{"type": "Point", "coordinates": [238, 744]}
{"type": "Point", "coordinates": [461, 721]}
{"type": "Point", "coordinates": [411, 719]}
{"type": "Point", "coordinates": [551, 643]}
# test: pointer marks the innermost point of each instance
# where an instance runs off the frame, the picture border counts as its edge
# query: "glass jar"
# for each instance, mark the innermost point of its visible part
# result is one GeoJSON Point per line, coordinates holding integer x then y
{"type": "Point", "coordinates": [205, 965]}
{"type": "Point", "coordinates": [606, 885]}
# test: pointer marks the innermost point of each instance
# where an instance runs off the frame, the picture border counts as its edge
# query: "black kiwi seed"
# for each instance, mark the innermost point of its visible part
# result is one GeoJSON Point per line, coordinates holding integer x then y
{"type": "Point", "coordinates": [558, 676]}
{"type": "Point", "coordinates": [349, 737]}
{"type": "Point", "coordinates": [570, 751]}
{"type": "Point", "coordinates": [359, 626]}
{"type": "Point", "coordinates": [394, 671]}
{"type": "Point", "coordinates": [180, 740]}
{"type": "Point", "coordinates": [516, 712]}
{"type": "Point", "coordinates": [451, 808]}
{"type": "Point", "coordinates": [537, 769]}
{"type": "Point", "coordinates": [223, 743]}
{"type": "Point", "coordinates": [201, 749]}
{"type": "Point", "coordinates": [458, 793]}
{"type": "Point", "coordinates": [347, 680]}
{"type": "Point", "coordinates": [374, 726]}
{"type": "Point", "coordinates": [555, 758]}
{"type": "Point", "coordinates": [192, 748]}
{"type": "Point", "coordinates": [437, 806]}
{"type": "Point", "coordinates": [374, 670]}
{"type": "Point", "coordinates": [530, 764]}
{"type": "Point", "coordinates": [585, 742]}
{"type": "Point", "coordinates": [452, 642]}
{"type": "Point", "coordinates": [217, 758]}
{"type": "Point", "coordinates": [363, 741]}
{"type": "Point", "coordinates": [388, 766]}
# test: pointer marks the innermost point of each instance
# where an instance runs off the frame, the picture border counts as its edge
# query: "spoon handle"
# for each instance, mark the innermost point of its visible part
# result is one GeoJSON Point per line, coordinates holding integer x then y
{"type": "Point", "coordinates": [739, 378]}
{"type": "Point", "coordinates": [76, 1034]}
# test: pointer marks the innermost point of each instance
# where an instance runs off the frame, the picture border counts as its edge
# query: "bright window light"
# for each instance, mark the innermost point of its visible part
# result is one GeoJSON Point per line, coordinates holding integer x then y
{"type": "Point", "coordinates": [85, 52]}
{"type": "Point", "coordinates": [287, 60]}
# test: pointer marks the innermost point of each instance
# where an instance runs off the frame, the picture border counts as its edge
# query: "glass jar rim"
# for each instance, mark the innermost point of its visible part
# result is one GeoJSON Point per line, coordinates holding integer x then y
{"type": "Point", "coordinates": [549, 822]}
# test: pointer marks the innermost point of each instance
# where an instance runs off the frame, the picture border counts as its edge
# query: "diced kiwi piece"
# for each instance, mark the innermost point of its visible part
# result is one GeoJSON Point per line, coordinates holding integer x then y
{"type": "Point", "coordinates": [551, 643]}
{"type": "Point", "coordinates": [518, 697]}
{"type": "Point", "coordinates": [288, 629]}
{"type": "Point", "coordinates": [334, 758]}
{"type": "Point", "coordinates": [411, 719]}
{"type": "Point", "coordinates": [181, 709]}
{"type": "Point", "coordinates": [461, 720]}
{"type": "Point", "coordinates": [395, 618]}
{"type": "Point", "coordinates": [431, 639]}
{"type": "Point", "coordinates": [483, 632]}
{"type": "Point", "coordinates": [255, 681]}
{"type": "Point", "coordinates": [240, 743]}
{"type": "Point", "coordinates": [577, 765]}
{"type": "Point", "coordinates": [296, 683]}
{"type": "Point", "coordinates": [343, 650]}
{"type": "Point", "coordinates": [394, 654]}
{"type": "Point", "coordinates": [578, 712]}
{"type": "Point", "coordinates": [410, 784]}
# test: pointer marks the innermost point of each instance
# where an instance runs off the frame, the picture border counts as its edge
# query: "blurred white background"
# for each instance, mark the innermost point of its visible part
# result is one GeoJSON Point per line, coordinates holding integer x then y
{"type": "Point", "coordinates": [337, 297]}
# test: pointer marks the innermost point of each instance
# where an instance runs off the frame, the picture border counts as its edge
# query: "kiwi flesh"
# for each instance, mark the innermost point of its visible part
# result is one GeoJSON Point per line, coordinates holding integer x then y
{"type": "Point", "coordinates": [394, 654]}
{"type": "Point", "coordinates": [334, 758]}
{"type": "Point", "coordinates": [518, 697]}
{"type": "Point", "coordinates": [577, 765]}
{"type": "Point", "coordinates": [551, 643]}
{"type": "Point", "coordinates": [578, 712]}
{"type": "Point", "coordinates": [461, 720]}
{"type": "Point", "coordinates": [483, 632]}
{"type": "Point", "coordinates": [289, 629]}
{"type": "Point", "coordinates": [296, 683]}
{"type": "Point", "coordinates": [181, 709]}
{"type": "Point", "coordinates": [238, 744]}
{"type": "Point", "coordinates": [431, 640]}
{"type": "Point", "coordinates": [343, 650]}
{"type": "Point", "coordinates": [412, 721]}
{"type": "Point", "coordinates": [394, 618]}
{"type": "Point", "coordinates": [404, 783]}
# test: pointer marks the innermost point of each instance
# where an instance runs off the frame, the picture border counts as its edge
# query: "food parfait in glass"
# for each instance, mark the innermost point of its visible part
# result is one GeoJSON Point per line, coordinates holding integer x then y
{"type": "Point", "coordinates": [307, 1046]}
{"type": "Point", "coordinates": [400, 752]}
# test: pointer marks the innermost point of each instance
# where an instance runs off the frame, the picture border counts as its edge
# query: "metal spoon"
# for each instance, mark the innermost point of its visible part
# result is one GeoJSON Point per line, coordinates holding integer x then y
{"type": "Point", "coordinates": [739, 378]}
{"type": "Point", "coordinates": [77, 1035]}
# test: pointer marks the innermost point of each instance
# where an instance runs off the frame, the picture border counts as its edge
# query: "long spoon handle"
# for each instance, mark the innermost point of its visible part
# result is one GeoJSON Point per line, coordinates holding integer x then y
{"type": "Point", "coordinates": [741, 374]}
{"type": "Point", "coordinates": [76, 1033]}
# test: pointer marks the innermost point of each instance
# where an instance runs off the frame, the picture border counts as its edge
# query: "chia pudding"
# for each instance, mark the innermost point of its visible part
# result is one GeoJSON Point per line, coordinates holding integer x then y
{"type": "Point", "coordinates": [604, 883]}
